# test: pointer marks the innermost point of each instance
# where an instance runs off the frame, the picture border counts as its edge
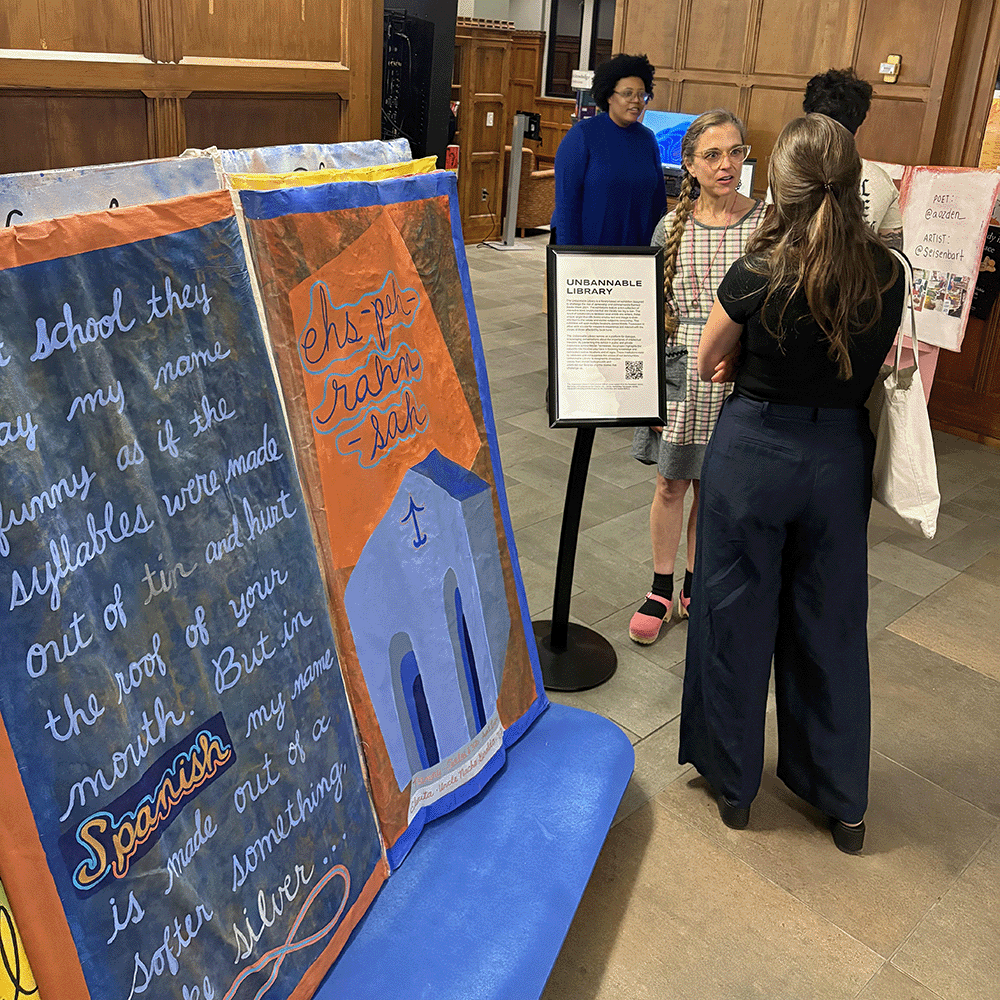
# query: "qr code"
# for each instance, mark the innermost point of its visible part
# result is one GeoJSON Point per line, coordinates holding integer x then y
{"type": "Point", "coordinates": [633, 369]}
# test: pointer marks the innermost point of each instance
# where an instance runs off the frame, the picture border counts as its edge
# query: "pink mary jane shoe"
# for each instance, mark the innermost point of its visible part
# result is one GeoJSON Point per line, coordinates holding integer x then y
{"type": "Point", "coordinates": [683, 605]}
{"type": "Point", "coordinates": [645, 628]}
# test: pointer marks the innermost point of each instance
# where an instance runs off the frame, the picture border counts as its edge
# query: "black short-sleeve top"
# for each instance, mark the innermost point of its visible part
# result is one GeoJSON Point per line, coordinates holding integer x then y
{"type": "Point", "coordinates": [795, 368]}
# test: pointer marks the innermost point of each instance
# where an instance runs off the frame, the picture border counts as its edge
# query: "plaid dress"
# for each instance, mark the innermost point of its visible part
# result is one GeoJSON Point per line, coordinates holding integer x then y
{"type": "Point", "coordinates": [706, 253]}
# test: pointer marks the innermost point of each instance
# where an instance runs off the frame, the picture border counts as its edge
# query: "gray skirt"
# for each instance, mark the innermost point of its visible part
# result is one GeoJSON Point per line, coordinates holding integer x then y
{"type": "Point", "coordinates": [672, 461]}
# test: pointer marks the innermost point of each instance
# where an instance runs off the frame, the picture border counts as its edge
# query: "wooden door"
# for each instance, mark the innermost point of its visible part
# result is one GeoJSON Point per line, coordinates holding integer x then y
{"type": "Point", "coordinates": [483, 62]}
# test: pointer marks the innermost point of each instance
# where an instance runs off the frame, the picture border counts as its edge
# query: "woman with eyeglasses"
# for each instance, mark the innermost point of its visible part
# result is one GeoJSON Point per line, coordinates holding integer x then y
{"type": "Point", "coordinates": [703, 236]}
{"type": "Point", "coordinates": [782, 570]}
{"type": "Point", "coordinates": [609, 181]}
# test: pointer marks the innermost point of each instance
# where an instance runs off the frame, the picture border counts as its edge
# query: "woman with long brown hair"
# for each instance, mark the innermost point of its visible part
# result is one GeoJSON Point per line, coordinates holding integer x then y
{"type": "Point", "coordinates": [703, 236]}
{"type": "Point", "coordinates": [786, 489]}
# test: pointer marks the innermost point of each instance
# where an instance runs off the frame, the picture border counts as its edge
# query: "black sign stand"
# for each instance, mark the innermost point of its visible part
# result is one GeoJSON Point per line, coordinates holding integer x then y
{"type": "Point", "coordinates": [573, 657]}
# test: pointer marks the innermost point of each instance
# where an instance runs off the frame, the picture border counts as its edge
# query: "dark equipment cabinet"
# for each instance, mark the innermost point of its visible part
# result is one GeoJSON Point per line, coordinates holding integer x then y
{"type": "Point", "coordinates": [418, 50]}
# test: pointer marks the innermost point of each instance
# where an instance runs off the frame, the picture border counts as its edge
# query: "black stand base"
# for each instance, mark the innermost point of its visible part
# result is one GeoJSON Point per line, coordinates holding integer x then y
{"type": "Point", "coordinates": [588, 659]}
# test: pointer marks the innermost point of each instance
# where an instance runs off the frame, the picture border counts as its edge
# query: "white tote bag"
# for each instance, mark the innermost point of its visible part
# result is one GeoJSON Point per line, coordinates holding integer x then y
{"type": "Point", "coordinates": [904, 477]}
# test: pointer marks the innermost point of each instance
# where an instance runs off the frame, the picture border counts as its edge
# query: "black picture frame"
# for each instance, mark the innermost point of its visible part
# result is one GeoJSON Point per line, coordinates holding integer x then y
{"type": "Point", "coordinates": [606, 265]}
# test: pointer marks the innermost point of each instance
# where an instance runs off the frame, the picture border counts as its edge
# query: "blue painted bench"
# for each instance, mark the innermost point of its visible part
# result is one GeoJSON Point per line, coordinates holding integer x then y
{"type": "Point", "coordinates": [481, 905]}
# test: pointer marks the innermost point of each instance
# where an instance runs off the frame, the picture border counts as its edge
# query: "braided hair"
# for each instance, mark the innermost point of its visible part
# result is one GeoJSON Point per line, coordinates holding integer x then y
{"type": "Point", "coordinates": [686, 203]}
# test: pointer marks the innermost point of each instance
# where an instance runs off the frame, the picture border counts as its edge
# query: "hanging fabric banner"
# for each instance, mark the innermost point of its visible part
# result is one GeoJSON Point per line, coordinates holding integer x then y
{"type": "Point", "coordinates": [183, 810]}
{"type": "Point", "coordinates": [370, 312]}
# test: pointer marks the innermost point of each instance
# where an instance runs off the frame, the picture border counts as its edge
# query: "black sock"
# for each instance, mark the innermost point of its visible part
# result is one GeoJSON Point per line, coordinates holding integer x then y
{"type": "Point", "coordinates": [688, 580]}
{"type": "Point", "coordinates": [663, 586]}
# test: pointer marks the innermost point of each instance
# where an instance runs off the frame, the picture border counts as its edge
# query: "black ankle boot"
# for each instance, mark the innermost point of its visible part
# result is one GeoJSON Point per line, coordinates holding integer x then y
{"type": "Point", "coordinates": [735, 817]}
{"type": "Point", "coordinates": [849, 839]}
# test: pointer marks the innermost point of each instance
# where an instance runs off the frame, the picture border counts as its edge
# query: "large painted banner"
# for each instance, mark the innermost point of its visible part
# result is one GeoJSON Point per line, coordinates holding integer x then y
{"type": "Point", "coordinates": [183, 810]}
{"type": "Point", "coordinates": [369, 309]}
{"type": "Point", "coordinates": [51, 194]}
{"type": "Point", "coordinates": [314, 156]}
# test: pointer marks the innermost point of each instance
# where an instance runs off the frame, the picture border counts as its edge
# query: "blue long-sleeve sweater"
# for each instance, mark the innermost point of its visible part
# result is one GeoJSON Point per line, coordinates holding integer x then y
{"type": "Point", "coordinates": [609, 185]}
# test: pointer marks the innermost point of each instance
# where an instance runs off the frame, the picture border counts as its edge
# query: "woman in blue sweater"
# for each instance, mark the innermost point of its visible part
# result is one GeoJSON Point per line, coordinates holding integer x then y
{"type": "Point", "coordinates": [609, 182]}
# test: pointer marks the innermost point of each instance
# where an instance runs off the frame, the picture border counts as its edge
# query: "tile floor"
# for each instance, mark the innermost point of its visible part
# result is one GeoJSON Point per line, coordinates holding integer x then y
{"type": "Point", "coordinates": [679, 906]}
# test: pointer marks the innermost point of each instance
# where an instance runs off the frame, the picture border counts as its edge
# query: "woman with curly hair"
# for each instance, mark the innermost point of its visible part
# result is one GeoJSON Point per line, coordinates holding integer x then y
{"type": "Point", "coordinates": [703, 236]}
{"type": "Point", "coordinates": [782, 571]}
{"type": "Point", "coordinates": [609, 180]}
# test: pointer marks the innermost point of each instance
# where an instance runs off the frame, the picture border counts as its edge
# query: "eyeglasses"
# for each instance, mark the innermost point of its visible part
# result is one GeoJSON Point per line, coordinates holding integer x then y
{"type": "Point", "coordinates": [631, 95]}
{"type": "Point", "coordinates": [713, 156]}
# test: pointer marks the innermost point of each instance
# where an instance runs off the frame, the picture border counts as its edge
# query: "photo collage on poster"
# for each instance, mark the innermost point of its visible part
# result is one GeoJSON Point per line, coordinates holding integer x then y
{"type": "Point", "coordinates": [939, 290]}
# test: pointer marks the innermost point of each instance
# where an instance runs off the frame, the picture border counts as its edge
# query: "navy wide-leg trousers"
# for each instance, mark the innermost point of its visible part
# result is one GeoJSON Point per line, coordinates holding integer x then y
{"type": "Point", "coordinates": [782, 573]}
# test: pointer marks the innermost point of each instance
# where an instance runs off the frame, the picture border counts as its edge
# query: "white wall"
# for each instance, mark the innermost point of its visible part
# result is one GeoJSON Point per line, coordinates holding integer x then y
{"type": "Point", "coordinates": [493, 10]}
{"type": "Point", "coordinates": [528, 15]}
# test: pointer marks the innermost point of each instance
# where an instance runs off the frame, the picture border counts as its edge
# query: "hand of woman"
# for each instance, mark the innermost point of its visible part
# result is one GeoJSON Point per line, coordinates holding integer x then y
{"type": "Point", "coordinates": [725, 370]}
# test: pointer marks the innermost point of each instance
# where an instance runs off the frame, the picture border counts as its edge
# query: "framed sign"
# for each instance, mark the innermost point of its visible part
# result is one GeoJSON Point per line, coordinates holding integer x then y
{"type": "Point", "coordinates": [745, 185]}
{"type": "Point", "coordinates": [606, 341]}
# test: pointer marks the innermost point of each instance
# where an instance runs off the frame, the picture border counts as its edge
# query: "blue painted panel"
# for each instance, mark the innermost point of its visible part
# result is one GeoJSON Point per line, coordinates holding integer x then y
{"type": "Point", "coordinates": [51, 194]}
{"type": "Point", "coordinates": [168, 658]}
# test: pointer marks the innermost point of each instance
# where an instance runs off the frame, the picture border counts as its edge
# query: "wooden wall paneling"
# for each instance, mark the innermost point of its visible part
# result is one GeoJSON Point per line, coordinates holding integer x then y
{"type": "Point", "coordinates": [770, 110]}
{"type": "Point", "coordinates": [234, 121]}
{"type": "Point", "coordinates": [20, 26]}
{"type": "Point", "coordinates": [361, 30]}
{"type": "Point", "coordinates": [166, 124]}
{"type": "Point", "coordinates": [802, 37]}
{"type": "Point", "coordinates": [754, 15]}
{"type": "Point", "coordinates": [557, 119]}
{"type": "Point", "coordinates": [161, 34]}
{"type": "Point", "coordinates": [965, 398]}
{"type": "Point", "coordinates": [912, 28]}
{"type": "Point", "coordinates": [777, 45]}
{"type": "Point", "coordinates": [968, 92]}
{"type": "Point", "coordinates": [48, 130]}
{"type": "Point", "coordinates": [24, 121]}
{"type": "Point", "coordinates": [96, 128]}
{"type": "Point", "coordinates": [716, 35]}
{"type": "Point", "coordinates": [894, 131]}
{"type": "Point", "coordinates": [73, 25]}
{"type": "Point", "coordinates": [300, 30]}
{"type": "Point", "coordinates": [261, 73]}
{"type": "Point", "coordinates": [697, 96]}
{"type": "Point", "coordinates": [665, 93]}
{"type": "Point", "coordinates": [135, 73]}
{"type": "Point", "coordinates": [654, 36]}
{"type": "Point", "coordinates": [565, 58]}
{"type": "Point", "coordinates": [525, 69]}
{"type": "Point", "coordinates": [923, 33]}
